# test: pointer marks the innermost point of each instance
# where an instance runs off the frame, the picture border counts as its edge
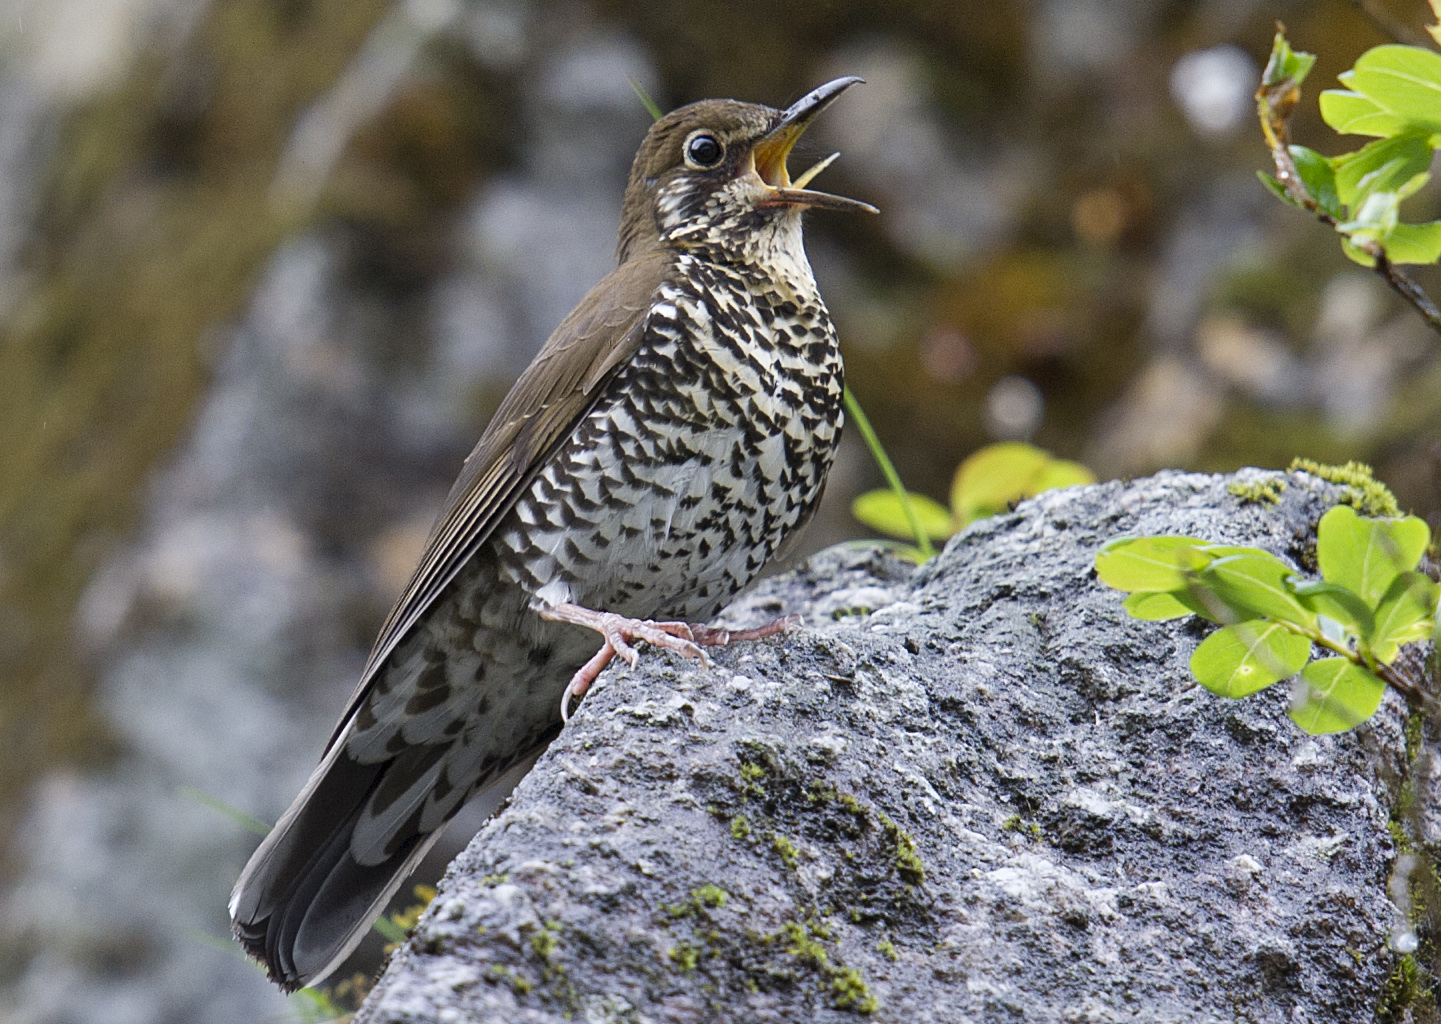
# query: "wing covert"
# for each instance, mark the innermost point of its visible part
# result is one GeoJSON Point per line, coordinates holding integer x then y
{"type": "Point", "coordinates": [556, 390]}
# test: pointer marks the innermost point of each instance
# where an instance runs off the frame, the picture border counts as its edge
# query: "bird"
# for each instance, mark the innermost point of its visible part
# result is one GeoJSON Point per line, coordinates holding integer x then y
{"type": "Point", "coordinates": [670, 438]}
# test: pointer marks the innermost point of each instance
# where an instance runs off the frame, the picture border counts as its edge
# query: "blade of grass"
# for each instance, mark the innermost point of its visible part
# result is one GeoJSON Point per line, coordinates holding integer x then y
{"type": "Point", "coordinates": [249, 822]}
{"type": "Point", "coordinates": [868, 434]}
{"type": "Point", "coordinates": [650, 105]}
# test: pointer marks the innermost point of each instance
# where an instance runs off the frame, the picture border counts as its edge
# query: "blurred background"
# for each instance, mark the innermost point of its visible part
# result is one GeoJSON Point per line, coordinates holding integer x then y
{"type": "Point", "coordinates": [267, 266]}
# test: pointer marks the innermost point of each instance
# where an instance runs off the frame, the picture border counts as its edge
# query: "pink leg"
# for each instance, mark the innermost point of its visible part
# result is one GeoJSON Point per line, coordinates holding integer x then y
{"type": "Point", "coordinates": [708, 637]}
{"type": "Point", "coordinates": [620, 632]}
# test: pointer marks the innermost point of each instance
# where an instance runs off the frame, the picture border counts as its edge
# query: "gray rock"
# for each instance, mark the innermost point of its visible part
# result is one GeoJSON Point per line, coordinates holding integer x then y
{"type": "Point", "coordinates": [976, 791]}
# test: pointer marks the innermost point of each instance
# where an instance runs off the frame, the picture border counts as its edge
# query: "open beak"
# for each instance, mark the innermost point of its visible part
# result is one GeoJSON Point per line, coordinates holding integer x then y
{"type": "Point", "coordinates": [771, 151]}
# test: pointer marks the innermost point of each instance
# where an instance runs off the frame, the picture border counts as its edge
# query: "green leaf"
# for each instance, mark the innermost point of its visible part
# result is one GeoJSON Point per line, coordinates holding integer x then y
{"type": "Point", "coordinates": [1286, 63]}
{"type": "Point", "coordinates": [1277, 189]}
{"type": "Point", "coordinates": [1340, 695]}
{"type": "Point", "coordinates": [1413, 186]}
{"type": "Point", "coordinates": [1381, 166]}
{"type": "Point", "coordinates": [882, 510]}
{"type": "Point", "coordinates": [997, 476]}
{"type": "Point", "coordinates": [1414, 243]}
{"type": "Point", "coordinates": [1365, 555]}
{"type": "Point", "coordinates": [1377, 217]}
{"type": "Point", "coordinates": [388, 929]}
{"type": "Point", "coordinates": [1350, 113]}
{"type": "Point", "coordinates": [1355, 255]}
{"type": "Point", "coordinates": [1238, 660]}
{"type": "Point", "coordinates": [1149, 563]}
{"type": "Point", "coordinates": [1406, 614]}
{"type": "Point", "coordinates": [991, 479]}
{"type": "Point", "coordinates": [1318, 174]}
{"type": "Point", "coordinates": [1336, 603]}
{"type": "Point", "coordinates": [1155, 607]}
{"type": "Point", "coordinates": [1058, 473]}
{"type": "Point", "coordinates": [1255, 585]}
{"type": "Point", "coordinates": [1404, 80]}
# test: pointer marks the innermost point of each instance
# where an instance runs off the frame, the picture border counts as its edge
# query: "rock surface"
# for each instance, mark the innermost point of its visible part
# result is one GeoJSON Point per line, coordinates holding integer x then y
{"type": "Point", "coordinates": [970, 791]}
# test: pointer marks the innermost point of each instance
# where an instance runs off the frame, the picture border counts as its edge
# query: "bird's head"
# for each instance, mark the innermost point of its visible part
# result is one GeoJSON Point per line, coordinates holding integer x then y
{"type": "Point", "coordinates": [713, 175]}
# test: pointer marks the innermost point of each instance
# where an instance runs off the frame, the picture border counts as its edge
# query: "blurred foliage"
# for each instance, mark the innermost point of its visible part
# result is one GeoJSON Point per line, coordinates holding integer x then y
{"type": "Point", "coordinates": [104, 358]}
{"type": "Point", "coordinates": [987, 483]}
{"type": "Point", "coordinates": [154, 222]}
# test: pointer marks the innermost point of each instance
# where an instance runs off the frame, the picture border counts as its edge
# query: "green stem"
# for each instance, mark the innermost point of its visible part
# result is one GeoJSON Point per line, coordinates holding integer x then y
{"type": "Point", "coordinates": [868, 434]}
{"type": "Point", "coordinates": [1386, 673]}
{"type": "Point", "coordinates": [249, 822]}
{"type": "Point", "coordinates": [651, 106]}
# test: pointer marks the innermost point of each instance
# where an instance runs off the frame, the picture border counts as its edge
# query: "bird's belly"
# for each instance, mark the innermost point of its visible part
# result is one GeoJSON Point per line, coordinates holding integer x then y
{"type": "Point", "coordinates": [667, 523]}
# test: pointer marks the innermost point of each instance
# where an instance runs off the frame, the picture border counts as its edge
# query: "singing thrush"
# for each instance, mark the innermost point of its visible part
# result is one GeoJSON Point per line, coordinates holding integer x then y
{"type": "Point", "coordinates": [671, 435]}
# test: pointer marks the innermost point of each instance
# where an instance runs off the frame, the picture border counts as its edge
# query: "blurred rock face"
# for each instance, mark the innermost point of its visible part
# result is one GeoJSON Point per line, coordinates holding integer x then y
{"type": "Point", "coordinates": [265, 267]}
{"type": "Point", "coordinates": [206, 625]}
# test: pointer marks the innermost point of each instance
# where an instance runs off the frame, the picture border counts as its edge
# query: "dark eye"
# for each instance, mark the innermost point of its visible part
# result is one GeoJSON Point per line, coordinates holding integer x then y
{"type": "Point", "coordinates": [702, 150]}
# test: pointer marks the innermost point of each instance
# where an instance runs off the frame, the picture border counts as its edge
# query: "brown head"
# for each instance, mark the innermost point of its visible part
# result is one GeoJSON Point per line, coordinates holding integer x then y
{"type": "Point", "coordinates": [713, 173]}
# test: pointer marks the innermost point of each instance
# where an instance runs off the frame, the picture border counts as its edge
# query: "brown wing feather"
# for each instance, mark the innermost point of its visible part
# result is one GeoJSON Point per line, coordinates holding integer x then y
{"type": "Point", "coordinates": [555, 391]}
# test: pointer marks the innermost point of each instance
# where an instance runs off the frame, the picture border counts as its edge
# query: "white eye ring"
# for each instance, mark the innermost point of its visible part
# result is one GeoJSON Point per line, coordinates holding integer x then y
{"type": "Point", "coordinates": [702, 150]}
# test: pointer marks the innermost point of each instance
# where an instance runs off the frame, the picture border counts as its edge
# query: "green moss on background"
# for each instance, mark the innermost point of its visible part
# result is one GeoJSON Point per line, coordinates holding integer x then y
{"type": "Point", "coordinates": [1408, 990]}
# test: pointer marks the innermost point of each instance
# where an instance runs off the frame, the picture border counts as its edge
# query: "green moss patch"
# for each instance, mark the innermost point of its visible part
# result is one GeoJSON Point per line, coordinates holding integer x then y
{"type": "Point", "coordinates": [1258, 492]}
{"type": "Point", "coordinates": [1362, 491]}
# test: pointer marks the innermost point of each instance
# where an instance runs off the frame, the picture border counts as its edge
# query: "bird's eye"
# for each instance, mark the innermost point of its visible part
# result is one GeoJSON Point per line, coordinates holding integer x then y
{"type": "Point", "coordinates": [702, 150]}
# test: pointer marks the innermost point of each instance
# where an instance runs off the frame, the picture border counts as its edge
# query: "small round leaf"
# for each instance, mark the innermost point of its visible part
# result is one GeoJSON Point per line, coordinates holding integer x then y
{"type": "Point", "coordinates": [1149, 563]}
{"type": "Point", "coordinates": [1255, 585]}
{"type": "Point", "coordinates": [882, 510]}
{"type": "Point", "coordinates": [1156, 607]}
{"type": "Point", "coordinates": [1364, 555]}
{"type": "Point", "coordinates": [1238, 660]}
{"type": "Point", "coordinates": [1338, 695]}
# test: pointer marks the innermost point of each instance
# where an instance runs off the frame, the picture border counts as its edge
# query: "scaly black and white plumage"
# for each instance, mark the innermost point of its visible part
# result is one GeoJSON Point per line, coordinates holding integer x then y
{"type": "Point", "coordinates": [669, 438]}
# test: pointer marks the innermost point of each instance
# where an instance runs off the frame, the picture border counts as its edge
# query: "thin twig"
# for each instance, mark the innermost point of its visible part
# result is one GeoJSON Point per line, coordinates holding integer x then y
{"type": "Point", "coordinates": [1406, 687]}
{"type": "Point", "coordinates": [1274, 104]}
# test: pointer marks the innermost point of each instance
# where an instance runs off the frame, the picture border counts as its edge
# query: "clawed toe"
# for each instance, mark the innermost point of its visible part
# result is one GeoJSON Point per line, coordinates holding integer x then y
{"type": "Point", "coordinates": [620, 633]}
{"type": "Point", "coordinates": [709, 636]}
{"type": "Point", "coordinates": [668, 636]}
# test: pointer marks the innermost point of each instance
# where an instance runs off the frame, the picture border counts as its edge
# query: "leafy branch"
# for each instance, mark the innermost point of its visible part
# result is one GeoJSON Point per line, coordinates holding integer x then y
{"type": "Point", "coordinates": [1394, 94]}
{"type": "Point", "coordinates": [1369, 603]}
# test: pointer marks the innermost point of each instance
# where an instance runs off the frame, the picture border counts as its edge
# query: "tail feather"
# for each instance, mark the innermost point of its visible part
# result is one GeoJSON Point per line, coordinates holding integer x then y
{"type": "Point", "coordinates": [364, 820]}
{"type": "Point", "coordinates": [303, 902]}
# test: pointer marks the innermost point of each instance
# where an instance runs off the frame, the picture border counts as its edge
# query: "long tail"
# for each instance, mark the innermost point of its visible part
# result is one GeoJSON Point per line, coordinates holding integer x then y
{"type": "Point", "coordinates": [304, 901]}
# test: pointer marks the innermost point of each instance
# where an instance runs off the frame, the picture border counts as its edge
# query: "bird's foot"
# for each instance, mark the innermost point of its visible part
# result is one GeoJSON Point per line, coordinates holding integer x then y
{"type": "Point", "coordinates": [620, 632]}
{"type": "Point", "coordinates": [708, 636]}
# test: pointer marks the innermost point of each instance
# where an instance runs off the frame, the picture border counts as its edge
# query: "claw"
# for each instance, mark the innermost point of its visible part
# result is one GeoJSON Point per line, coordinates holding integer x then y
{"type": "Point", "coordinates": [708, 636]}
{"type": "Point", "coordinates": [619, 634]}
